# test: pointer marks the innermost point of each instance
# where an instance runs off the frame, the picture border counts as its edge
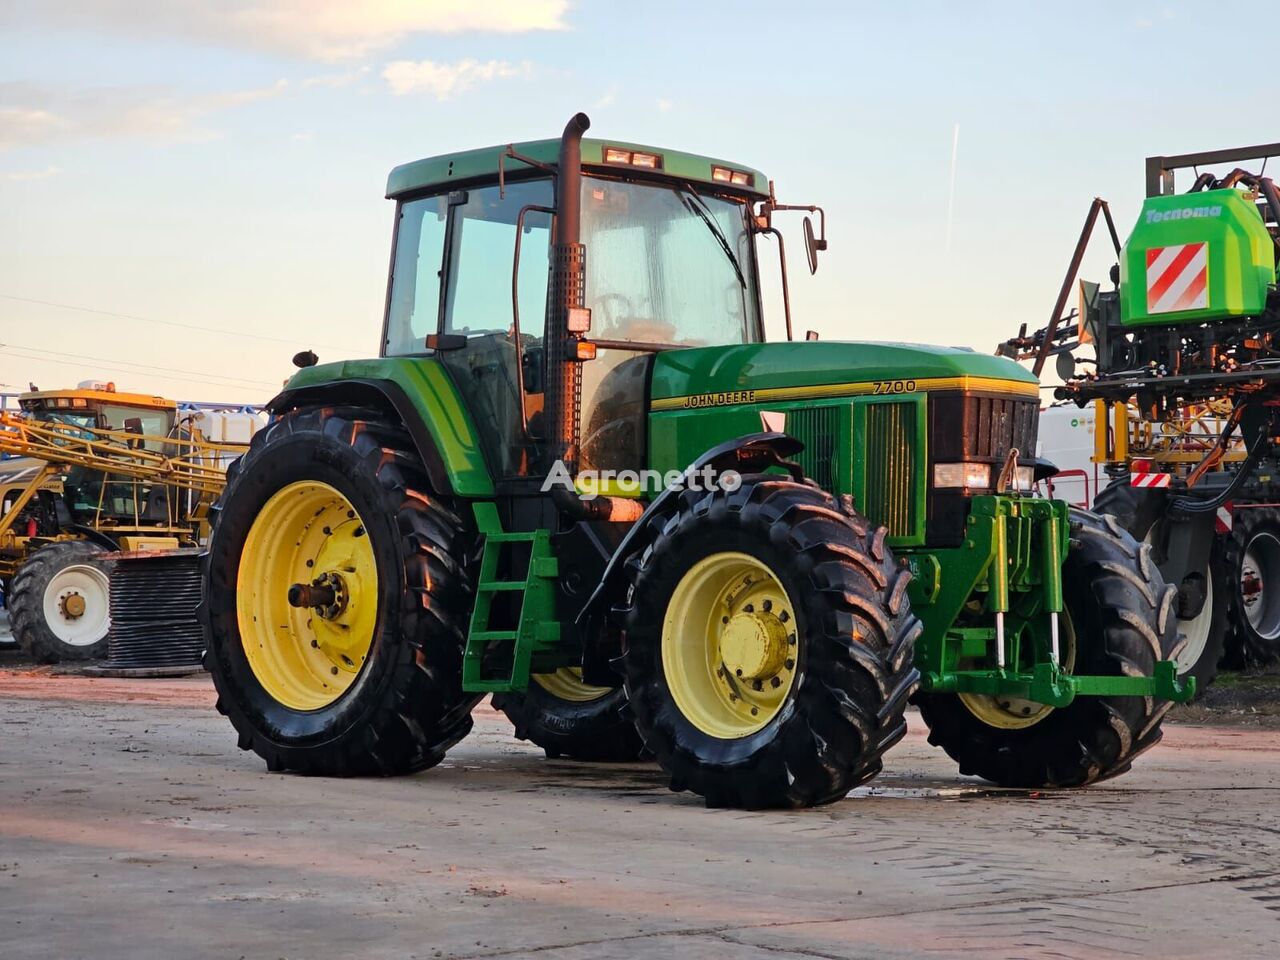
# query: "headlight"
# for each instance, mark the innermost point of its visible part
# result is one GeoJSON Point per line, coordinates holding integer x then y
{"type": "Point", "coordinates": [971, 476]}
{"type": "Point", "coordinates": [1024, 479]}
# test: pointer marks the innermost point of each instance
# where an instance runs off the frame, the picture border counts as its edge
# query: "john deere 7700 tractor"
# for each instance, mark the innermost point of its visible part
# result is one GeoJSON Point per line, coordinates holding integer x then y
{"type": "Point", "coordinates": [839, 527]}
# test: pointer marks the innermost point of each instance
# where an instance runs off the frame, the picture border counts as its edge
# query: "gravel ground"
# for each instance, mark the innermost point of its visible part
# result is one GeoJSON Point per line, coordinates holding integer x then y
{"type": "Point", "coordinates": [134, 828]}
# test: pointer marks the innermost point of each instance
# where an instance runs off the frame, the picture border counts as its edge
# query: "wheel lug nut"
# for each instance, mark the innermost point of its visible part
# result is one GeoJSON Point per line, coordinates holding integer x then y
{"type": "Point", "coordinates": [767, 606]}
{"type": "Point", "coordinates": [754, 711]}
{"type": "Point", "coordinates": [775, 682]}
{"type": "Point", "coordinates": [750, 608]}
{"type": "Point", "coordinates": [315, 643]}
{"type": "Point", "coordinates": [757, 685]}
{"type": "Point", "coordinates": [334, 671]}
{"type": "Point", "coordinates": [790, 664]}
{"type": "Point", "coordinates": [738, 671]}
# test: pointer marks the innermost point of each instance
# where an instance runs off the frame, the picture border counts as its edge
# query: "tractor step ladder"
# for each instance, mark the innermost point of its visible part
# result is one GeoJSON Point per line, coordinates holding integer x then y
{"type": "Point", "coordinates": [537, 628]}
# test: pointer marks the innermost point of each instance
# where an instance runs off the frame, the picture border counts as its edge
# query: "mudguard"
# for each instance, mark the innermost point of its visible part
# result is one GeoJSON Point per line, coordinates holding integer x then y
{"type": "Point", "coordinates": [752, 453]}
{"type": "Point", "coordinates": [418, 392]}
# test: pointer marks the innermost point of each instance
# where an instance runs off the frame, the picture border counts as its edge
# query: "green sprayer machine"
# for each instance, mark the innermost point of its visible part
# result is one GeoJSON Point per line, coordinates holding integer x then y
{"type": "Point", "coordinates": [1188, 333]}
{"type": "Point", "coordinates": [578, 478]}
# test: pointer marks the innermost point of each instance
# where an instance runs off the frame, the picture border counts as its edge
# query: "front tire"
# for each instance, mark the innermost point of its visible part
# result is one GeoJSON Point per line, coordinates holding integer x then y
{"type": "Point", "coordinates": [1122, 621]}
{"type": "Point", "coordinates": [59, 604]}
{"type": "Point", "coordinates": [768, 646]}
{"type": "Point", "coordinates": [367, 679]}
{"type": "Point", "coordinates": [1206, 629]}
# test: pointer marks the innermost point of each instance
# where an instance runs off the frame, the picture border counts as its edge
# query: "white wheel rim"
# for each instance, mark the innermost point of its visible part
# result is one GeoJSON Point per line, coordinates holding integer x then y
{"type": "Point", "coordinates": [1258, 569]}
{"type": "Point", "coordinates": [1196, 630]}
{"type": "Point", "coordinates": [90, 585]}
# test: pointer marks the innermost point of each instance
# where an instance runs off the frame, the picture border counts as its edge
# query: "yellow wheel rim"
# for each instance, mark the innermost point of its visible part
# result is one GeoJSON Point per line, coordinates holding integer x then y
{"type": "Point", "coordinates": [1012, 713]}
{"type": "Point", "coordinates": [729, 645]}
{"type": "Point", "coordinates": [567, 684]}
{"type": "Point", "coordinates": [308, 535]}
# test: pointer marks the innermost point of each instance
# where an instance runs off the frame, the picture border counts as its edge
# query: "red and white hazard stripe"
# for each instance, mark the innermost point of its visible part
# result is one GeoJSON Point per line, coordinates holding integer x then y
{"type": "Point", "coordinates": [1177, 278]}
{"type": "Point", "coordinates": [1150, 479]}
{"type": "Point", "coordinates": [1223, 518]}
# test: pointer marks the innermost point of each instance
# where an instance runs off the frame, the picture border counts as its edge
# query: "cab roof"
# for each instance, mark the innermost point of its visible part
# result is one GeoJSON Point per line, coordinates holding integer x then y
{"type": "Point", "coordinates": [437, 172]}
{"type": "Point", "coordinates": [140, 400]}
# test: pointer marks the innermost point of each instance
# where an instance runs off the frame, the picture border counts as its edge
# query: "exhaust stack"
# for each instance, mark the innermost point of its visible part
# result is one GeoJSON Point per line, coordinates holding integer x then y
{"type": "Point", "coordinates": [567, 292]}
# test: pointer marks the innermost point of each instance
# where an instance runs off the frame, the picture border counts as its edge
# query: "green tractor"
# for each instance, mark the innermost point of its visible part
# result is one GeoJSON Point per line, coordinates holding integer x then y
{"type": "Point", "coordinates": [577, 478]}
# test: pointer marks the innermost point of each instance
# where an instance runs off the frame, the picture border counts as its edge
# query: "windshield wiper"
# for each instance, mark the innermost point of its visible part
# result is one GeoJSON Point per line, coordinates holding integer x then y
{"type": "Point", "coordinates": [691, 199]}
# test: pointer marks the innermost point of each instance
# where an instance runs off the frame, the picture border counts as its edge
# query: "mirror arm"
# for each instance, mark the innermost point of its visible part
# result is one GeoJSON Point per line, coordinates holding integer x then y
{"type": "Point", "coordinates": [786, 290]}
{"type": "Point", "coordinates": [515, 310]}
{"type": "Point", "coordinates": [514, 155]}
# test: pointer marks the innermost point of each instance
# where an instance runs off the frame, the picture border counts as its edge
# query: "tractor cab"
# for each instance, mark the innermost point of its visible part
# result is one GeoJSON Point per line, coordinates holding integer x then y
{"type": "Point", "coordinates": [95, 497]}
{"type": "Point", "coordinates": [96, 405]}
{"type": "Point", "coordinates": [671, 263]}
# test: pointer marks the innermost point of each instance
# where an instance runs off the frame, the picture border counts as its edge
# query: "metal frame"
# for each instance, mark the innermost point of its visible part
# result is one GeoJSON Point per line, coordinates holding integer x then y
{"type": "Point", "coordinates": [1160, 170]}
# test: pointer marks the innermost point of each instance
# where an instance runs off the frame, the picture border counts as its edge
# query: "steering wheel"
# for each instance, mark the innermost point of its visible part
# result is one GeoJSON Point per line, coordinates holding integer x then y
{"type": "Point", "coordinates": [615, 308]}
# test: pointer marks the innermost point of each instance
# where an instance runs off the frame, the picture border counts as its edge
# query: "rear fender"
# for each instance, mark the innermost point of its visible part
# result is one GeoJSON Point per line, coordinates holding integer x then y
{"type": "Point", "coordinates": [419, 394]}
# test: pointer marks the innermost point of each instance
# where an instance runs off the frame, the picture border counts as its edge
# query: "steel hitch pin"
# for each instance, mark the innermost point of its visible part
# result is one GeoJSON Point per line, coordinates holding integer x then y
{"type": "Point", "coordinates": [1053, 638]}
{"type": "Point", "coordinates": [1000, 639]}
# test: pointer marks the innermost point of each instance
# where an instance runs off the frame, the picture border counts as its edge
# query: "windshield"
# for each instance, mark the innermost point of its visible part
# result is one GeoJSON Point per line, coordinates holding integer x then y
{"type": "Point", "coordinates": [79, 420]}
{"type": "Point", "coordinates": [668, 266]}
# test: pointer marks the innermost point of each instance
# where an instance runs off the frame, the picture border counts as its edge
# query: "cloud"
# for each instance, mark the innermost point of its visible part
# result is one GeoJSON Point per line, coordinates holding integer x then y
{"type": "Point", "coordinates": [664, 106]}
{"type": "Point", "coordinates": [335, 80]}
{"type": "Point", "coordinates": [31, 115]}
{"type": "Point", "coordinates": [26, 175]}
{"type": "Point", "coordinates": [318, 29]}
{"type": "Point", "coordinates": [444, 80]}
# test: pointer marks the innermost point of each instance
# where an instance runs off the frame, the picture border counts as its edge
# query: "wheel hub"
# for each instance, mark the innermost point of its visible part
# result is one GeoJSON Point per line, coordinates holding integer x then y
{"type": "Point", "coordinates": [729, 645]}
{"type": "Point", "coordinates": [753, 645]}
{"type": "Point", "coordinates": [327, 595]}
{"type": "Point", "coordinates": [307, 595]}
{"type": "Point", "coordinates": [72, 606]}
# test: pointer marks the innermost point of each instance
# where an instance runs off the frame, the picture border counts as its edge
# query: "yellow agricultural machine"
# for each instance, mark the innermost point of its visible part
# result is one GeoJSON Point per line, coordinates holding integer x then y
{"type": "Point", "coordinates": [91, 471]}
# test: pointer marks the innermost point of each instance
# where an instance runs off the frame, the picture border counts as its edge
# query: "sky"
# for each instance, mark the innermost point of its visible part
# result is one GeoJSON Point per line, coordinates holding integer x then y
{"type": "Point", "coordinates": [190, 192]}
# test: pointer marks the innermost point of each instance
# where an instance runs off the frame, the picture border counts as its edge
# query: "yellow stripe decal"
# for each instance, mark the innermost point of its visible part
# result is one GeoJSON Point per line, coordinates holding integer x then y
{"type": "Point", "coordinates": [886, 388]}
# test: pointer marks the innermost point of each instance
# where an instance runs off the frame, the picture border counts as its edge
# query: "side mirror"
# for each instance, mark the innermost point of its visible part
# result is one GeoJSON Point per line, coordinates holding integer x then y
{"type": "Point", "coordinates": [1066, 366]}
{"type": "Point", "coordinates": [812, 245]}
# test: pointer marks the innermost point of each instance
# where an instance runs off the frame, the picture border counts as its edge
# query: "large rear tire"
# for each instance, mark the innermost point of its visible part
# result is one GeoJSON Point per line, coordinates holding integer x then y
{"type": "Point", "coordinates": [1119, 622]}
{"type": "Point", "coordinates": [59, 604]}
{"type": "Point", "coordinates": [1252, 552]}
{"type": "Point", "coordinates": [768, 646]}
{"type": "Point", "coordinates": [569, 718]}
{"type": "Point", "coordinates": [1205, 617]}
{"type": "Point", "coordinates": [365, 676]}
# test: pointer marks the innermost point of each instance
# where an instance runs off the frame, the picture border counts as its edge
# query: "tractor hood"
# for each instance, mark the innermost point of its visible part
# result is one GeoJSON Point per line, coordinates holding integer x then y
{"type": "Point", "coordinates": [757, 372]}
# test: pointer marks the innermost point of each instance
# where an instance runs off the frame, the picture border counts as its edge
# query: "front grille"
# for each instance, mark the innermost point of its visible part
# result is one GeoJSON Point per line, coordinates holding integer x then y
{"type": "Point", "coordinates": [963, 427]}
{"type": "Point", "coordinates": [890, 449]}
{"type": "Point", "coordinates": [816, 428]}
{"type": "Point", "coordinates": [981, 428]}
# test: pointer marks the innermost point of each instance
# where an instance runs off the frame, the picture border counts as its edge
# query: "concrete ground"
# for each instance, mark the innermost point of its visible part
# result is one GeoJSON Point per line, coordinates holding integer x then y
{"type": "Point", "coordinates": [132, 827]}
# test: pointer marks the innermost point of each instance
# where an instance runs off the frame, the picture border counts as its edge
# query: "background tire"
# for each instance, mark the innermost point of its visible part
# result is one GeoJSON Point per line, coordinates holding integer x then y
{"type": "Point", "coordinates": [59, 604]}
{"type": "Point", "coordinates": [853, 635]}
{"type": "Point", "coordinates": [406, 706]}
{"type": "Point", "coordinates": [1208, 632]}
{"type": "Point", "coordinates": [1123, 619]}
{"type": "Point", "coordinates": [567, 718]}
{"type": "Point", "coordinates": [1252, 561]}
